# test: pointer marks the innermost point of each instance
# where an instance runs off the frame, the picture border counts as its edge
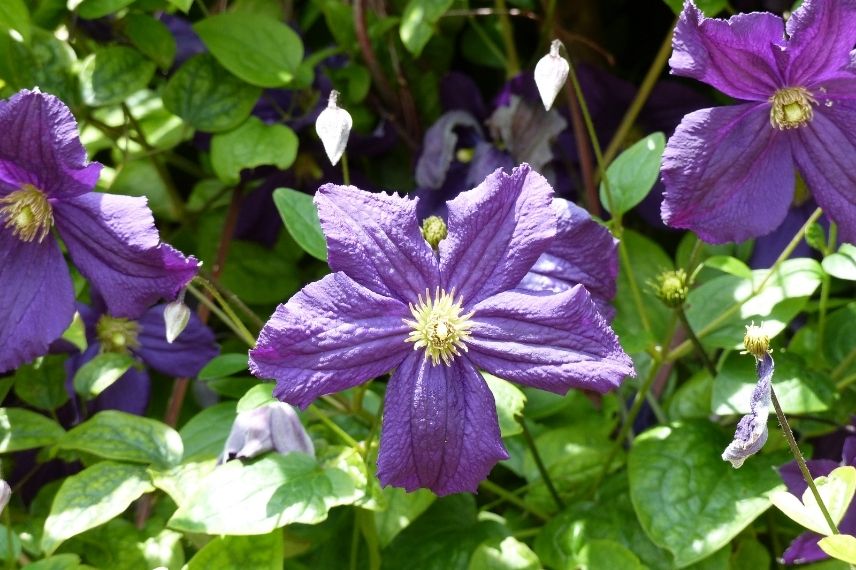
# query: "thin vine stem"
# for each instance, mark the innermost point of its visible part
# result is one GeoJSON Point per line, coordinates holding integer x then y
{"type": "Point", "coordinates": [492, 487]}
{"type": "Point", "coordinates": [539, 463]}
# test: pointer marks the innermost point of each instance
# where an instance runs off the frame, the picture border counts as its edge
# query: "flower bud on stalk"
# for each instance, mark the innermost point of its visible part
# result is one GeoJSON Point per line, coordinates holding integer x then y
{"type": "Point", "coordinates": [176, 315]}
{"type": "Point", "coordinates": [333, 127]}
{"type": "Point", "coordinates": [5, 494]}
{"type": "Point", "coordinates": [672, 288]}
{"type": "Point", "coordinates": [551, 72]}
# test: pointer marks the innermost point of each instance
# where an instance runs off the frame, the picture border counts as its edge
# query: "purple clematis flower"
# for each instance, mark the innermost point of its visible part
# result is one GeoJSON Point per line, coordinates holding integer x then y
{"type": "Point", "coordinates": [46, 182]}
{"type": "Point", "coordinates": [437, 315]}
{"type": "Point", "coordinates": [729, 171]}
{"type": "Point", "coordinates": [145, 339]}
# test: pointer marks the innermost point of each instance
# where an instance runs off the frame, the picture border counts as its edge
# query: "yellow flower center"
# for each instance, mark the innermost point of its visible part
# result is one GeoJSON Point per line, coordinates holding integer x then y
{"type": "Point", "coordinates": [756, 341]}
{"type": "Point", "coordinates": [27, 213]}
{"type": "Point", "coordinates": [791, 108]}
{"type": "Point", "coordinates": [117, 335]}
{"type": "Point", "coordinates": [439, 327]}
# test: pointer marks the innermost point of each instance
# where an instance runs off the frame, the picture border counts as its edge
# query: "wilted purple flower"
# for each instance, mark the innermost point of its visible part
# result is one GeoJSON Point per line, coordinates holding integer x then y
{"type": "Point", "coordinates": [46, 182]}
{"type": "Point", "coordinates": [437, 317]}
{"type": "Point", "coordinates": [272, 427]}
{"type": "Point", "coordinates": [751, 433]}
{"type": "Point", "coordinates": [729, 171]}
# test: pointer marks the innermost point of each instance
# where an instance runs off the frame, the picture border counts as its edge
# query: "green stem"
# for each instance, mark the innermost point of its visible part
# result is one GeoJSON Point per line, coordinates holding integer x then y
{"type": "Point", "coordinates": [250, 340]}
{"type": "Point", "coordinates": [795, 451]}
{"type": "Point", "coordinates": [512, 62]}
{"type": "Point", "coordinates": [635, 292]}
{"type": "Point", "coordinates": [245, 333]}
{"type": "Point", "coordinates": [346, 172]}
{"type": "Point", "coordinates": [492, 487]}
{"type": "Point", "coordinates": [844, 365]}
{"type": "Point", "coordinates": [708, 363]}
{"type": "Point", "coordinates": [10, 555]}
{"type": "Point", "coordinates": [825, 286]}
{"type": "Point", "coordinates": [334, 427]}
{"type": "Point", "coordinates": [542, 469]}
{"type": "Point", "coordinates": [366, 522]}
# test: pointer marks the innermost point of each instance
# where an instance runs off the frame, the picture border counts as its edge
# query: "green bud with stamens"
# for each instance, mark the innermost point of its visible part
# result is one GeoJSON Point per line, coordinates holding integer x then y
{"type": "Point", "coordinates": [672, 288]}
{"type": "Point", "coordinates": [434, 230]}
{"type": "Point", "coordinates": [756, 341]}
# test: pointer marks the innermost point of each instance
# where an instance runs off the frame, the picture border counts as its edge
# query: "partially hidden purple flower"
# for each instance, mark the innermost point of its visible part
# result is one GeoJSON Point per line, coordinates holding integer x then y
{"type": "Point", "coordinates": [271, 427]}
{"type": "Point", "coordinates": [729, 172]}
{"type": "Point", "coordinates": [145, 339]}
{"type": "Point", "coordinates": [437, 317]}
{"type": "Point", "coordinates": [46, 183]}
{"type": "Point", "coordinates": [751, 433]}
{"type": "Point", "coordinates": [804, 548]}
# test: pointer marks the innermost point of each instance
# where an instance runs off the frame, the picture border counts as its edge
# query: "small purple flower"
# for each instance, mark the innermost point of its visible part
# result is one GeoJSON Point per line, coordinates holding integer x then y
{"type": "Point", "coordinates": [272, 427]}
{"type": "Point", "coordinates": [437, 317]}
{"type": "Point", "coordinates": [751, 433]}
{"type": "Point", "coordinates": [729, 171]}
{"type": "Point", "coordinates": [46, 182]}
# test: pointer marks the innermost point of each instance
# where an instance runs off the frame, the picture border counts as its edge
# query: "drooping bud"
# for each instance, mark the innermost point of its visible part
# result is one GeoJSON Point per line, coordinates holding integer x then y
{"type": "Point", "coordinates": [5, 494]}
{"type": "Point", "coordinates": [434, 230]}
{"type": "Point", "coordinates": [272, 427]}
{"type": "Point", "coordinates": [176, 315]}
{"type": "Point", "coordinates": [333, 127]}
{"type": "Point", "coordinates": [551, 72]}
{"type": "Point", "coordinates": [815, 237]}
{"type": "Point", "coordinates": [756, 341]}
{"type": "Point", "coordinates": [672, 288]}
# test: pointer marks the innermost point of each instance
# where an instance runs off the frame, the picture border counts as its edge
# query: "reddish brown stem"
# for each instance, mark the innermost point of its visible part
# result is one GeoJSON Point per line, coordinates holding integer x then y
{"type": "Point", "coordinates": [584, 153]}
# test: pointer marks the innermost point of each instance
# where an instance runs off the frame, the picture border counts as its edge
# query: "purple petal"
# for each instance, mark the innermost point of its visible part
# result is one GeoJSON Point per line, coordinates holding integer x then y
{"type": "Point", "coordinates": [804, 549]}
{"type": "Point", "coordinates": [375, 239]}
{"type": "Point", "coordinates": [272, 427]}
{"type": "Point", "coordinates": [736, 55]}
{"type": "Point", "coordinates": [527, 130]}
{"type": "Point", "coordinates": [438, 148]}
{"type": "Point", "coordinates": [848, 454]}
{"type": "Point", "coordinates": [440, 429]}
{"type": "Point", "coordinates": [728, 174]}
{"type": "Point", "coordinates": [496, 232]}
{"type": "Point", "coordinates": [186, 356]}
{"type": "Point", "coordinates": [793, 478]}
{"type": "Point", "coordinates": [129, 394]}
{"type": "Point", "coordinates": [751, 433]}
{"type": "Point", "coordinates": [486, 159]}
{"type": "Point", "coordinates": [825, 151]}
{"type": "Point", "coordinates": [41, 146]}
{"type": "Point", "coordinates": [552, 342]}
{"type": "Point", "coordinates": [583, 252]}
{"type": "Point", "coordinates": [458, 92]}
{"type": "Point", "coordinates": [114, 243]}
{"type": "Point", "coordinates": [822, 33]}
{"type": "Point", "coordinates": [332, 335]}
{"type": "Point", "coordinates": [768, 248]}
{"type": "Point", "coordinates": [37, 299]}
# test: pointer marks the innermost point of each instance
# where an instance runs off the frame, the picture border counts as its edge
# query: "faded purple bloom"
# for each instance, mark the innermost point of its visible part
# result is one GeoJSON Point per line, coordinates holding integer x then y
{"type": "Point", "coordinates": [729, 171]}
{"type": "Point", "coordinates": [751, 434]}
{"type": "Point", "coordinates": [272, 427]}
{"type": "Point", "coordinates": [45, 183]}
{"type": "Point", "coordinates": [437, 317]}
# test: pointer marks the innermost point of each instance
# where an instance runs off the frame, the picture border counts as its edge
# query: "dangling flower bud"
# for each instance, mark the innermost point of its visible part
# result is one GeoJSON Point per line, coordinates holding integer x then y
{"type": "Point", "coordinates": [671, 288]}
{"type": "Point", "coordinates": [272, 427]}
{"type": "Point", "coordinates": [333, 127]}
{"type": "Point", "coordinates": [550, 74]}
{"type": "Point", "coordinates": [5, 494]}
{"type": "Point", "coordinates": [176, 315]}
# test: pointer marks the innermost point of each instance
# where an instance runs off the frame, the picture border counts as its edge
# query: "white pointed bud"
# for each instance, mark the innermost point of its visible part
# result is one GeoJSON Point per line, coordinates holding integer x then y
{"type": "Point", "coordinates": [333, 127]}
{"type": "Point", "coordinates": [176, 315]}
{"type": "Point", "coordinates": [550, 74]}
{"type": "Point", "coordinates": [5, 494]}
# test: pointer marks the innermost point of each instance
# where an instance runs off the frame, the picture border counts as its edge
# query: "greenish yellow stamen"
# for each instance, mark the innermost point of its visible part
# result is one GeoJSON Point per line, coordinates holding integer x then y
{"type": "Point", "coordinates": [27, 213]}
{"type": "Point", "coordinates": [756, 341]}
{"type": "Point", "coordinates": [117, 335]}
{"type": "Point", "coordinates": [791, 108]}
{"type": "Point", "coordinates": [434, 230]}
{"type": "Point", "coordinates": [439, 327]}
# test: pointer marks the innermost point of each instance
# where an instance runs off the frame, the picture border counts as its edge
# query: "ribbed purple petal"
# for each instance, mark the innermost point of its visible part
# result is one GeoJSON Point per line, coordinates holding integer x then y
{"type": "Point", "coordinates": [822, 33]}
{"type": "Point", "coordinates": [186, 356]}
{"type": "Point", "coordinates": [552, 342]}
{"type": "Point", "coordinates": [496, 232]}
{"type": "Point", "coordinates": [375, 239]}
{"type": "Point", "coordinates": [583, 252]}
{"type": "Point", "coordinates": [825, 151]}
{"type": "Point", "coordinates": [41, 146]}
{"type": "Point", "coordinates": [438, 147]}
{"type": "Point", "coordinates": [36, 298]}
{"type": "Point", "coordinates": [729, 175]}
{"type": "Point", "coordinates": [735, 55]}
{"type": "Point", "coordinates": [114, 243]}
{"type": "Point", "coordinates": [804, 549]}
{"type": "Point", "coordinates": [440, 429]}
{"type": "Point", "coordinates": [332, 335]}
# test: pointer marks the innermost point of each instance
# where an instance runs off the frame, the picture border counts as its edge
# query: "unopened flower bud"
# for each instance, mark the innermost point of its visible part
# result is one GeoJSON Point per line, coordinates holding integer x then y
{"type": "Point", "coordinates": [551, 72]}
{"type": "Point", "coordinates": [176, 315]}
{"type": "Point", "coordinates": [815, 236]}
{"type": "Point", "coordinates": [434, 230]}
{"type": "Point", "coordinates": [756, 341]}
{"type": "Point", "coordinates": [5, 494]}
{"type": "Point", "coordinates": [671, 288]}
{"type": "Point", "coordinates": [333, 127]}
{"type": "Point", "coordinates": [272, 427]}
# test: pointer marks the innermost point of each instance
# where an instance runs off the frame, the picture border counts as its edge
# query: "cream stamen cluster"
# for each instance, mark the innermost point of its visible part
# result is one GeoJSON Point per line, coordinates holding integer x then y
{"type": "Point", "coordinates": [791, 108]}
{"type": "Point", "coordinates": [27, 213]}
{"type": "Point", "coordinates": [439, 326]}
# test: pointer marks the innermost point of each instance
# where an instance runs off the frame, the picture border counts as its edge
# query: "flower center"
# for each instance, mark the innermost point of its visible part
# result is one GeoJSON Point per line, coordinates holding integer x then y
{"type": "Point", "coordinates": [791, 108]}
{"type": "Point", "coordinates": [27, 213]}
{"type": "Point", "coordinates": [439, 327]}
{"type": "Point", "coordinates": [117, 335]}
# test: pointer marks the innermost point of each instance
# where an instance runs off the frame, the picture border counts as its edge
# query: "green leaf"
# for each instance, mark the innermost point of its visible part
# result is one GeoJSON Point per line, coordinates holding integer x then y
{"type": "Point", "coordinates": [224, 365]}
{"type": "Point", "coordinates": [125, 437]}
{"type": "Point", "coordinates": [152, 38]}
{"type": "Point", "coordinates": [263, 495]}
{"type": "Point", "coordinates": [257, 396]}
{"type": "Point", "coordinates": [240, 552]}
{"type": "Point", "coordinates": [76, 333]}
{"type": "Point", "coordinates": [58, 562]}
{"type": "Point", "coordinates": [91, 498]}
{"type": "Point", "coordinates": [141, 178]}
{"type": "Point", "coordinates": [418, 20]}
{"type": "Point", "coordinates": [633, 173]}
{"type": "Point", "coordinates": [843, 263]}
{"type": "Point", "coordinates": [300, 217]}
{"type": "Point", "coordinates": [5, 547]}
{"type": "Point", "coordinates": [92, 9]}
{"type": "Point", "coordinates": [836, 491]}
{"type": "Point", "coordinates": [252, 144]}
{"type": "Point", "coordinates": [15, 18]}
{"type": "Point", "coordinates": [710, 7]}
{"type": "Point", "coordinates": [46, 61]}
{"type": "Point", "coordinates": [258, 49]}
{"type": "Point", "coordinates": [506, 554]}
{"type": "Point", "coordinates": [840, 546]}
{"type": "Point", "coordinates": [510, 401]}
{"type": "Point", "coordinates": [204, 435]}
{"type": "Point", "coordinates": [42, 384]}
{"type": "Point", "coordinates": [183, 5]}
{"type": "Point", "coordinates": [100, 373]}
{"type": "Point", "coordinates": [728, 264]}
{"type": "Point", "coordinates": [208, 97]}
{"type": "Point", "coordinates": [692, 399]}
{"type": "Point", "coordinates": [402, 508]}
{"type": "Point", "coordinates": [182, 482]}
{"type": "Point", "coordinates": [113, 73]}
{"type": "Point", "coordinates": [23, 429]}
{"type": "Point", "coordinates": [607, 554]}
{"type": "Point", "coordinates": [687, 498]}
{"type": "Point", "coordinates": [840, 339]}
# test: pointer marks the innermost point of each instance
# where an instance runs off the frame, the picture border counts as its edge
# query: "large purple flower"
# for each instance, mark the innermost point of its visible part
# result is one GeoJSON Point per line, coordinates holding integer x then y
{"type": "Point", "coordinates": [437, 316]}
{"type": "Point", "coordinates": [46, 182]}
{"type": "Point", "coordinates": [729, 171]}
